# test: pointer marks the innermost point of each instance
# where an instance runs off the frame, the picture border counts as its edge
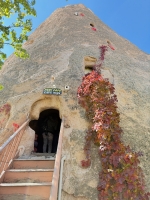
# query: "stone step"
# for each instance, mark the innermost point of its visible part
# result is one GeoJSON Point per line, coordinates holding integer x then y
{"type": "Point", "coordinates": [33, 190]}
{"type": "Point", "coordinates": [28, 176]}
{"type": "Point", "coordinates": [33, 164]}
{"type": "Point", "coordinates": [39, 156]}
{"type": "Point", "coordinates": [20, 197]}
{"type": "Point", "coordinates": [43, 154]}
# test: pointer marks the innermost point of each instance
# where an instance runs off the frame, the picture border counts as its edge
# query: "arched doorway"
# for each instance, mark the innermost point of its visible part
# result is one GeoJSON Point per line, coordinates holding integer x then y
{"type": "Point", "coordinates": [47, 119]}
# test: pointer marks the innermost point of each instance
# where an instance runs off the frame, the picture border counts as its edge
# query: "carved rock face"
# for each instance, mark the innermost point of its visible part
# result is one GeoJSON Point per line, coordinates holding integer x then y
{"type": "Point", "coordinates": [57, 49]}
{"type": "Point", "coordinates": [4, 117]}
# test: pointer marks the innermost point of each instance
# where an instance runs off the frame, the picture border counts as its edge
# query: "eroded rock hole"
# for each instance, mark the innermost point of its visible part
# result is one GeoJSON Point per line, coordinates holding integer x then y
{"type": "Point", "coordinates": [46, 129]}
{"type": "Point", "coordinates": [91, 24]}
{"type": "Point", "coordinates": [89, 63]}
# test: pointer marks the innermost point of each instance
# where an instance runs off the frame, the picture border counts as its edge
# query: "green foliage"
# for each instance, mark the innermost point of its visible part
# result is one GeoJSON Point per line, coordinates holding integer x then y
{"type": "Point", "coordinates": [1, 87]}
{"type": "Point", "coordinates": [9, 34]}
{"type": "Point", "coordinates": [121, 178]}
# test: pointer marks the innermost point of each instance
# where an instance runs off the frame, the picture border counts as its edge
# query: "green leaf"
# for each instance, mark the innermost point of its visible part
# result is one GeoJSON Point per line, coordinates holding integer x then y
{"type": "Point", "coordinates": [9, 34]}
{"type": "Point", "coordinates": [1, 87]}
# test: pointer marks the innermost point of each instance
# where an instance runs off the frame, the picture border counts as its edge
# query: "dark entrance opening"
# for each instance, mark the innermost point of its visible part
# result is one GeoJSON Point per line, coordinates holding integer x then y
{"type": "Point", "coordinates": [47, 125]}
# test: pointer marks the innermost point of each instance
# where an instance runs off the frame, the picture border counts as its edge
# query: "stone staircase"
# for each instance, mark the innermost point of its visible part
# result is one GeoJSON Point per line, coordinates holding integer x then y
{"type": "Point", "coordinates": [29, 178]}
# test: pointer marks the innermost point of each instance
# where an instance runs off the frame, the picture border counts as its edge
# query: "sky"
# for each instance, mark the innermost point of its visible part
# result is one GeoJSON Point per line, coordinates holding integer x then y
{"type": "Point", "coordinates": [128, 18]}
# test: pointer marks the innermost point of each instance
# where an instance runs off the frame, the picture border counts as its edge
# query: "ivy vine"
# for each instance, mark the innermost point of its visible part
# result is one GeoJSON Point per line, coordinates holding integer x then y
{"type": "Point", "coordinates": [121, 178]}
{"type": "Point", "coordinates": [5, 108]}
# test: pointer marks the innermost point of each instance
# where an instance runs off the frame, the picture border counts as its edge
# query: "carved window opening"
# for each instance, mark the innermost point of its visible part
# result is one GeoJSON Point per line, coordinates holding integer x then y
{"type": "Point", "coordinates": [89, 63]}
{"type": "Point", "coordinates": [91, 24]}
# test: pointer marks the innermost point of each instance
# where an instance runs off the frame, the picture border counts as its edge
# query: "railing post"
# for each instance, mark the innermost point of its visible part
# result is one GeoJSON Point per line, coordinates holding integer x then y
{"type": "Point", "coordinates": [55, 180]}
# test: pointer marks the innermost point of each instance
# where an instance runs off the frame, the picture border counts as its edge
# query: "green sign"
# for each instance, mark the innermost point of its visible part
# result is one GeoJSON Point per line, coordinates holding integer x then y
{"type": "Point", "coordinates": [54, 91]}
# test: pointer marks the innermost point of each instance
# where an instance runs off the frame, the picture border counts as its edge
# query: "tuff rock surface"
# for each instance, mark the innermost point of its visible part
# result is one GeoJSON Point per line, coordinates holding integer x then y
{"type": "Point", "coordinates": [57, 50]}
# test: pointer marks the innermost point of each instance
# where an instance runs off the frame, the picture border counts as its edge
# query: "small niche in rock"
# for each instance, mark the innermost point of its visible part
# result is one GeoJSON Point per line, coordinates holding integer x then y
{"type": "Point", "coordinates": [91, 24]}
{"type": "Point", "coordinates": [89, 63]}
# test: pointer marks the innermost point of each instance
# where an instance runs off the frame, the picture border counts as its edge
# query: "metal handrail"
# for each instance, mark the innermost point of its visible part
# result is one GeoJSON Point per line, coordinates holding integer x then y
{"type": "Point", "coordinates": [12, 136]}
{"type": "Point", "coordinates": [9, 149]}
{"type": "Point", "coordinates": [55, 180]}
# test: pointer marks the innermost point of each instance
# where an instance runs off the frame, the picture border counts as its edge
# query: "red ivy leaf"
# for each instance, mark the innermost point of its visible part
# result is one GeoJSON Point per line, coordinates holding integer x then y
{"type": "Point", "coordinates": [86, 163]}
{"type": "Point", "coordinates": [16, 126]}
{"type": "Point", "coordinates": [94, 29]}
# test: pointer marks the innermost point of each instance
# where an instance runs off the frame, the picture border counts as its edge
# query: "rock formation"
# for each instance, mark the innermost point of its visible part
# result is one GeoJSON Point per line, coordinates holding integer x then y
{"type": "Point", "coordinates": [61, 49]}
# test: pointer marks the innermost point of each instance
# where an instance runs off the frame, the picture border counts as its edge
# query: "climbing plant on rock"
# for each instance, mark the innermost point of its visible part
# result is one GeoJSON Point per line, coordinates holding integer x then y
{"type": "Point", "coordinates": [120, 178]}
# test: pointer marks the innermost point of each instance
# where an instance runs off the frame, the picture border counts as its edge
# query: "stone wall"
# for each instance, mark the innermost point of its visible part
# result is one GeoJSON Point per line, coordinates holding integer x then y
{"type": "Point", "coordinates": [57, 50]}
